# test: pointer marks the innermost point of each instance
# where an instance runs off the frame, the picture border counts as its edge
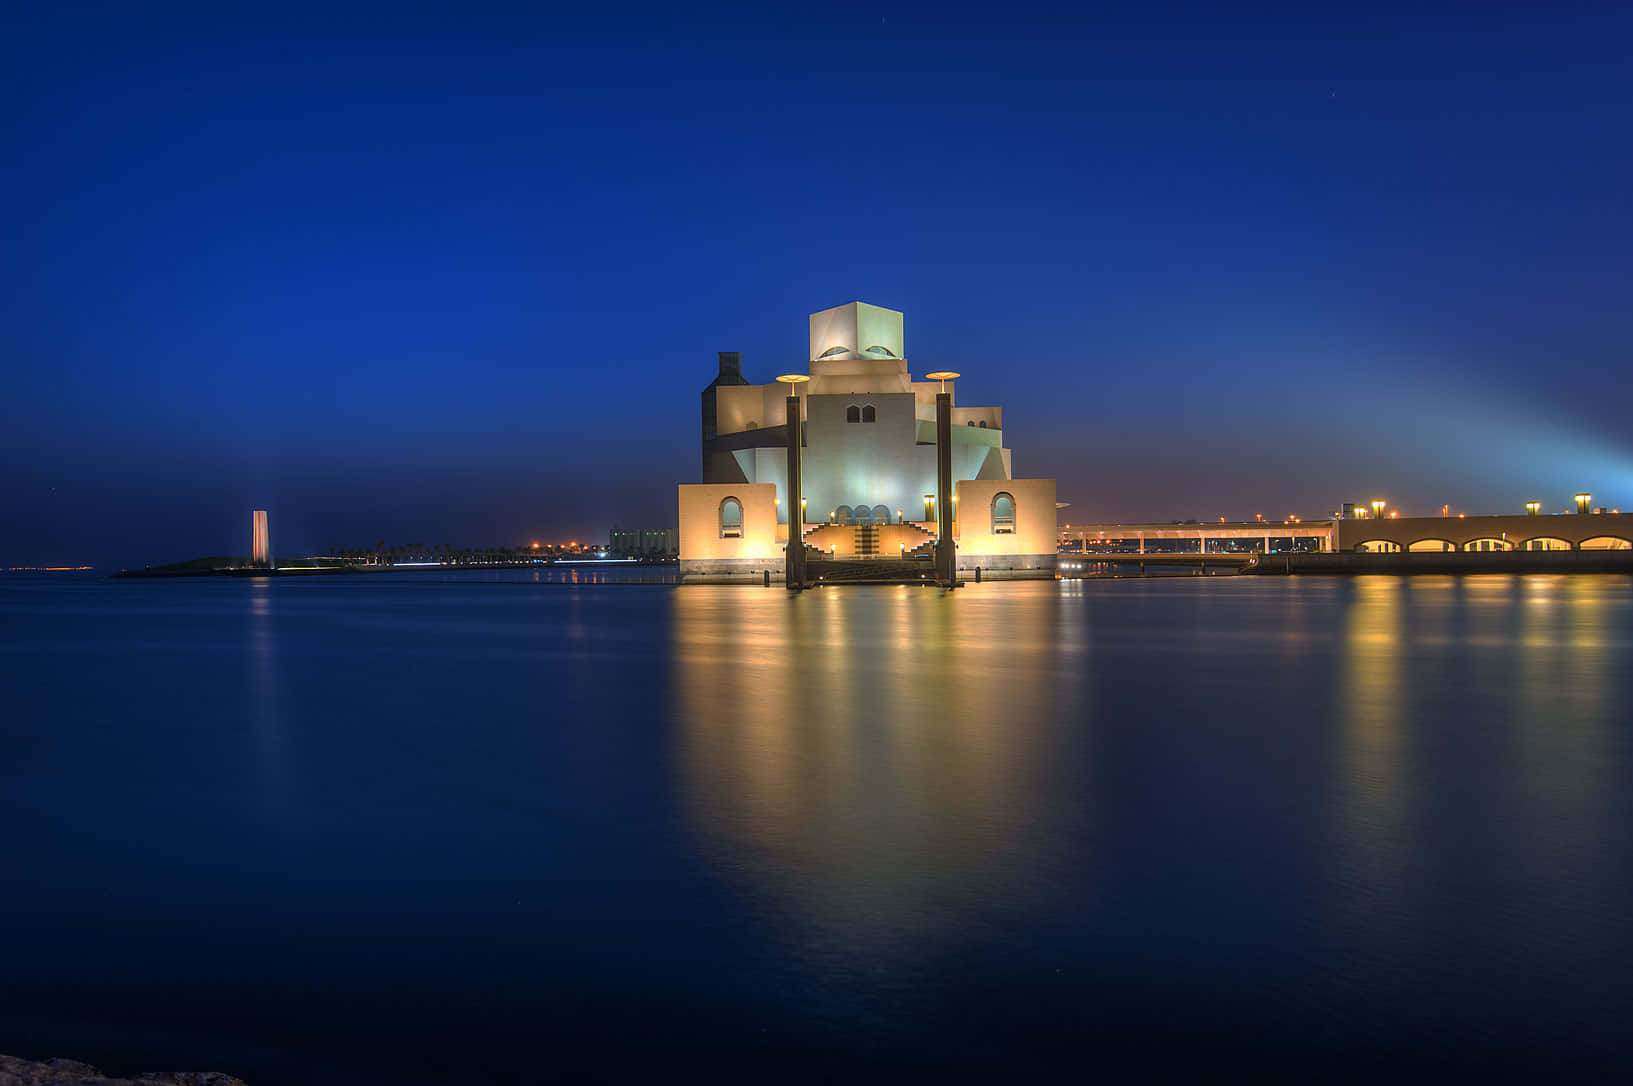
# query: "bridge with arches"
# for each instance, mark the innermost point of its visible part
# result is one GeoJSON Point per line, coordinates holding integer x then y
{"type": "Point", "coordinates": [1558, 532]}
{"type": "Point", "coordinates": [1390, 535]}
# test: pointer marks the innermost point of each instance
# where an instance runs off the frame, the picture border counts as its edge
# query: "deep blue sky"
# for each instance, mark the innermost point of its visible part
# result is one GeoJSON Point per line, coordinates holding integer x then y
{"type": "Point", "coordinates": [458, 274]}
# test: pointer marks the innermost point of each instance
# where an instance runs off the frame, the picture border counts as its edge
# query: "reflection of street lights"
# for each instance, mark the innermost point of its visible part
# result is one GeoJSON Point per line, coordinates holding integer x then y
{"type": "Point", "coordinates": [1378, 508]}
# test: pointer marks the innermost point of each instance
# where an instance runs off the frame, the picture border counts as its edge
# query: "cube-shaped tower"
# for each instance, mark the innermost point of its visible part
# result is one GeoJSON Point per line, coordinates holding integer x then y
{"type": "Point", "coordinates": [856, 330]}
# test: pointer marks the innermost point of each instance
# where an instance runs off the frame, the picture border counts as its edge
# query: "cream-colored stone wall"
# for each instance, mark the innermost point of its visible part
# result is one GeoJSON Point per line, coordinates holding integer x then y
{"type": "Point", "coordinates": [1034, 518]}
{"type": "Point", "coordinates": [750, 407]}
{"type": "Point", "coordinates": [700, 538]}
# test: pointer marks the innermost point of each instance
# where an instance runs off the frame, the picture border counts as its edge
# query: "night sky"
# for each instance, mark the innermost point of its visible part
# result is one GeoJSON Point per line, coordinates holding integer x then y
{"type": "Point", "coordinates": [458, 274]}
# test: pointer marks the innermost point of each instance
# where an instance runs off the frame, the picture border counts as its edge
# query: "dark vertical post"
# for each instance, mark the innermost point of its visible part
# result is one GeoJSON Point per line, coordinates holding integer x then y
{"type": "Point", "coordinates": [794, 576]}
{"type": "Point", "coordinates": [946, 560]}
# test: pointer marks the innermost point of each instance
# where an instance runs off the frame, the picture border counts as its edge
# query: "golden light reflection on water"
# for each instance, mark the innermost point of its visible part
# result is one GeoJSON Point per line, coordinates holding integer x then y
{"type": "Point", "coordinates": [1440, 677]}
{"type": "Point", "coordinates": [1372, 793]}
{"type": "Point", "coordinates": [265, 688]}
{"type": "Point", "coordinates": [1559, 753]}
{"type": "Point", "coordinates": [876, 760]}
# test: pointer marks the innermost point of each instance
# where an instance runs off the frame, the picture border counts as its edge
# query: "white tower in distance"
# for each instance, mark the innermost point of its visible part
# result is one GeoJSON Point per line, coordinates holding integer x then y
{"type": "Point", "coordinates": [260, 541]}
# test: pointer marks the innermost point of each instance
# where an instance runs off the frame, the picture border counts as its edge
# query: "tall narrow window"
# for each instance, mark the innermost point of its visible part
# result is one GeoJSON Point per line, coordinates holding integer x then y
{"type": "Point", "coordinates": [1003, 514]}
{"type": "Point", "coordinates": [868, 414]}
{"type": "Point", "coordinates": [731, 519]}
{"type": "Point", "coordinates": [853, 413]}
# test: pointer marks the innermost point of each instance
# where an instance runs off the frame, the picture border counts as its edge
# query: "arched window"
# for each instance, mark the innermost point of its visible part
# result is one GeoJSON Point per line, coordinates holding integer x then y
{"type": "Point", "coordinates": [983, 424]}
{"type": "Point", "coordinates": [970, 423]}
{"type": "Point", "coordinates": [853, 413]}
{"type": "Point", "coordinates": [881, 515]}
{"type": "Point", "coordinates": [731, 519]}
{"type": "Point", "coordinates": [864, 514]}
{"type": "Point", "coordinates": [882, 352]}
{"type": "Point", "coordinates": [843, 515]}
{"type": "Point", "coordinates": [1003, 513]}
{"type": "Point", "coordinates": [868, 414]}
{"type": "Point", "coordinates": [831, 351]}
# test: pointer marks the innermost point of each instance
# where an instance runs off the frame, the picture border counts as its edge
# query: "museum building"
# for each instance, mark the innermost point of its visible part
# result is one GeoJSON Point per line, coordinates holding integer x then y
{"type": "Point", "coordinates": [868, 463]}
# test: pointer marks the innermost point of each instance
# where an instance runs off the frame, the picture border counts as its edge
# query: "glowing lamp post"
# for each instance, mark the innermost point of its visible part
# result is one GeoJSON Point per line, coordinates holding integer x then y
{"type": "Point", "coordinates": [1378, 508]}
{"type": "Point", "coordinates": [1533, 508]}
{"type": "Point", "coordinates": [946, 555]}
{"type": "Point", "coordinates": [1583, 502]}
{"type": "Point", "coordinates": [794, 552]}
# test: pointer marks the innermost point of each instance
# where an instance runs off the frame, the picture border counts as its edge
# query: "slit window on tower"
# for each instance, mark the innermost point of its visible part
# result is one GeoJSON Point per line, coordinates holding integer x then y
{"type": "Point", "coordinates": [868, 414]}
{"type": "Point", "coordinates": [853, 413]}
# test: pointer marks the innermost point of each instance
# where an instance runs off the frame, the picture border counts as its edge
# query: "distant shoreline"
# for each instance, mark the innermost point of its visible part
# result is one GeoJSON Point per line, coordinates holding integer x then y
{"type": "Point", "coordinates": [186, 570]}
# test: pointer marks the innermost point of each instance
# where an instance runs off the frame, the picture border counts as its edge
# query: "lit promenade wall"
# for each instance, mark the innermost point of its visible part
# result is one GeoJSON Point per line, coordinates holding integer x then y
{"type": "Point", "coordinates": [1031, 545]}
{"type": "Point", "coordinates": [260, 540]}
{"type": "Point", "coordinates": [1564, 531]}
{"type": "Point", "coordinates": [704, 549]}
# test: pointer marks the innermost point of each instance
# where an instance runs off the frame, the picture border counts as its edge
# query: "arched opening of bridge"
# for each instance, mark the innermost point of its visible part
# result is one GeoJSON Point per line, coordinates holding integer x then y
{"type": "Point", "coordinates": [1378, 546]}
{"type": "Point", "coordinates": [1605, 543]}
{"type": "Point", "coordinates": [1440, 545]}
{"type": "Point", "coordinates": [1546, 543]}
{"type": "Point", "coordinates": [1488, 545]}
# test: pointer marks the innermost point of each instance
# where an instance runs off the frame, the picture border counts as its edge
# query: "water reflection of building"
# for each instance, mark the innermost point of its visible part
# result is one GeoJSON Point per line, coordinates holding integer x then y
{"type": "Point", "coordinates": [869, 761]}
{"type": "Point", "coordinates": [868, 464]}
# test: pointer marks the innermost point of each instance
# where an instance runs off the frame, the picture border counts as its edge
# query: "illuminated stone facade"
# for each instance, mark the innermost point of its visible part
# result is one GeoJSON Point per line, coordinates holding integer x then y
{"type": "Point", "coordinates": [868, 462]}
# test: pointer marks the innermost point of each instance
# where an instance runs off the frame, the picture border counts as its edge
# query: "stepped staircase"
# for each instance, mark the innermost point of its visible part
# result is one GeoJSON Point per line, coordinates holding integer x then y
{"type": "Point", "coordinates": [875, 570]}
{"type": "Point", "coordinates": [867, 541]}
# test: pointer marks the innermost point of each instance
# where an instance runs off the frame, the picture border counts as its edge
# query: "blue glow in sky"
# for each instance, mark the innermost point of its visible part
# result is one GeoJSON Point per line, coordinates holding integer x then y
{"type": "Point", "coordinates": [457, 274]}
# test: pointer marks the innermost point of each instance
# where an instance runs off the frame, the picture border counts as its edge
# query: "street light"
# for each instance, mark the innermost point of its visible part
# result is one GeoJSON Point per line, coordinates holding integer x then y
{"type": "Point", "coordinates": [1378, 508]}
{"type": "Point", "coordinates": [1533, 508]}
{"type": "Point", "coordinates": [1583, 501]}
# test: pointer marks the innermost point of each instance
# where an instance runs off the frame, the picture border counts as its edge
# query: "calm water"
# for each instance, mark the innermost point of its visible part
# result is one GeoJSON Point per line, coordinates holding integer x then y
{"type": "Point", "coordinates": [417, 830]}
